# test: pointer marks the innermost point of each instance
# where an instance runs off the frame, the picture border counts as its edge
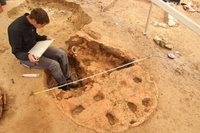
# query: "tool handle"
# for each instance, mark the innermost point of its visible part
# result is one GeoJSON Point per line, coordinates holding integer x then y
{"type": "Point", "coordinates": [39, 92]}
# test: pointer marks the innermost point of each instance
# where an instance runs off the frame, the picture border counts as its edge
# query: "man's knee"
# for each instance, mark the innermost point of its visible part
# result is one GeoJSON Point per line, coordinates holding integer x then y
{"type": "Point", "coordinates": [54, 65]}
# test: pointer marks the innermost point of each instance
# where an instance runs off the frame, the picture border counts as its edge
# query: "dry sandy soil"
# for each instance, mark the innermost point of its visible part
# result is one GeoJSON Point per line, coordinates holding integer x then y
{"type": "Point", "coordinates": [155, 95]}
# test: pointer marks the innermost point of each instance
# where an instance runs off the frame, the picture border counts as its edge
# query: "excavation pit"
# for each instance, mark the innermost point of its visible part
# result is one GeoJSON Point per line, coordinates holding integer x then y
{"type": "Point", "coordinates": [65, 16]}
{"type": "Point", "coordinates": [112, 101]}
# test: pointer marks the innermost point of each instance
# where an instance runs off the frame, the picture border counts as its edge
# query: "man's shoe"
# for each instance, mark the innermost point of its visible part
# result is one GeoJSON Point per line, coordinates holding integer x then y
{"type": "Point", "coordinates": [72, 85]}
{"type": "Point", "coordinates": [64, 88]}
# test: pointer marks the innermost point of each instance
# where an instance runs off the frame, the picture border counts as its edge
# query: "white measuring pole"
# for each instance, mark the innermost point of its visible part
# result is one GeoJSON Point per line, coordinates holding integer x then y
{"type": "Point", "coordinates": [147, 24]}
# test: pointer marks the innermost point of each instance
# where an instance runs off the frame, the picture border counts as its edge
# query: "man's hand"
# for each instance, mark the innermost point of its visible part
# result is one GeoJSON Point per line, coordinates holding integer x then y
{"type": "Point", "coordinates": [49, 38]}
{"type": "Point", "coordinates": [32, 58]}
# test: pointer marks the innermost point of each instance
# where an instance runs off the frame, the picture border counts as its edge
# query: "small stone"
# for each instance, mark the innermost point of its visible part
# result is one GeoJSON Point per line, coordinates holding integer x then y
{"type": "Point", "coordinates": [163, 43]}
{"type": "Point", "coordinates": [157, 40]}
{"type": "Point", "coordinates": [169, 46]}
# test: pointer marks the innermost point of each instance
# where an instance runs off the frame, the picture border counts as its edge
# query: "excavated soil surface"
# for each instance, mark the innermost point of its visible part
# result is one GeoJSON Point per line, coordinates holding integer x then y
{"type": "Point", "coordinates": [155, 95]}
{"type": "Point", "coordinates": [112, 101]}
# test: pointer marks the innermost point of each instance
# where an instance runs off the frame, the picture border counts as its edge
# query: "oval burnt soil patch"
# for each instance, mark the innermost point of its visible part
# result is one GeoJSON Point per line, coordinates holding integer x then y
{"type": "Point", "coordinates": [112, 101]}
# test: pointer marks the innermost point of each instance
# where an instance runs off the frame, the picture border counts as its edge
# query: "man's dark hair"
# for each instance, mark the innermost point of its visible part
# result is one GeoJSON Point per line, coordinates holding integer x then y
{"type": "Point", "coordinates": [39, 15]}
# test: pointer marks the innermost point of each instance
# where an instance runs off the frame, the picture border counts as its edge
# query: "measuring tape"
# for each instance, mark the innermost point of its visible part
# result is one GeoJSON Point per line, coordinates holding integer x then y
{"type": "Point", "coordinates": [127, 64]}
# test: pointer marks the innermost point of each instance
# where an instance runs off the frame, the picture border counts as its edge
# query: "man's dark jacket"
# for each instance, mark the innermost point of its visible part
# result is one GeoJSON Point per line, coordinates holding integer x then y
{"type": "Point", "coordinates": [22, 37]}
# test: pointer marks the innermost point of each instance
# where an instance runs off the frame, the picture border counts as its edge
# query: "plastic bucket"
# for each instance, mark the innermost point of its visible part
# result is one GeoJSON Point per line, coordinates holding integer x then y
{"type": "Point", "coordinates": [3, 2]}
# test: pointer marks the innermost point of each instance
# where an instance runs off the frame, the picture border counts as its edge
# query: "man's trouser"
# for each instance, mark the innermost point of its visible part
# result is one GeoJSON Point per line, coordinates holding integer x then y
{"type": "Point", "coordinates": [55, 60]}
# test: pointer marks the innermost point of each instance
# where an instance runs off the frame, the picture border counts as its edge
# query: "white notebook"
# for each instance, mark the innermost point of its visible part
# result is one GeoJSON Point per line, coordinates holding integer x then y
{"type": "Point", "coordinates": [40, 47]}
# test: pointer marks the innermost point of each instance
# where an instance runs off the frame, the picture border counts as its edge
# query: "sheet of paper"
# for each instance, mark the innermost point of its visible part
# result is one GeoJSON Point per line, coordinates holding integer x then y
{"type": "Point", "coordinates": [40, 47]}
